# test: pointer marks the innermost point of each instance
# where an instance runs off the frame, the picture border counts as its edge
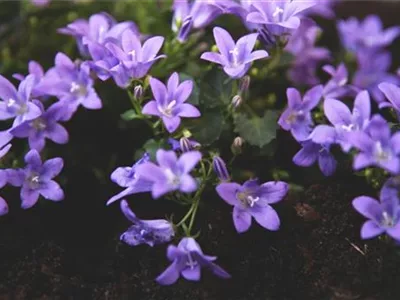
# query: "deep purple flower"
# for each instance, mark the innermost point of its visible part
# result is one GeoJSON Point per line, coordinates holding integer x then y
{"type": "Point", "coordinates": [72, 84]}
{"type": "Point", "coordinates": [45, 126]}
{"type": "Point", "coordinates": [17, 104]}
{"type": "Point", "coordinates": [178, 145]}
{"type": "Point", "coordinates": [128, 178]}
{"type": "Point", "coordinates": [383, 217]}
{"type": "Point", "coordinates": [36, 179]}
{"type": "Point", "coordinates": [338, 87]}
{"type": "Point", "coordinates": [150, 232]}
{"type": "Point", "coordinates": [377, 146]}
{"type": "Point", "coordinates": [253, 200]}
{"type": "Point", "coordinates": [311, 152]}
{"type": "Point", "coordinates": [169, 103]}
{"type": "Point", "coordinates": [392, 93]}
{"type": "Point", "coordinates": [171, 173]}
{"type": "Point", "coordinates": [220, 169]}
{"type": "Point", "coordinates": [187, 260]}
{"type": "Point", "coordinates": [297, 116]}
{"type": "Point", "coordinates": [236, 58]}
{"type": "Point", "coordinates": [185, 29]}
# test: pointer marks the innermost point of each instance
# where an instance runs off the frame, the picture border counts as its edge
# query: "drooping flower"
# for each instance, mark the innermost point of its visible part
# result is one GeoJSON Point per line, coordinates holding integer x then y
{"type": "Point", "coordinates": [383, 217]}
{"type": "Point", "coordinates": [311, 152]}
{"type": "Point", "coordinates": [253, 200]}
{"type": "Point", "coordinates": [37, 179]}
{"type": "Point", "coordinates": [17, 104]}
{"type": "Point", "coordinates": [338, 87]}
{"type": "Point", "coordinates": [169, 103]}
{"type": "Point", "coordinates": [171, 173]}
{"type": "Point", "coordinates": [377, 146]}
{"type": "Point", "coordinates": [187, 260]}
{"type": "Point", "coordinates": [72, 84]}
{"type": "Point", "coordinates": [128, 178]}
{"type": "Point", "coordinates": [392, 93]}
{"type": "Point", "coordinates": [45, 126]}
{"type": "Point", "coordinates": [236, 58]}
{"type": "Point", "coordinates": [220, 169]}
{"type": "Point", "coordinates": [150, 232]}
{"type": "Point", "coordinates": [297, 116]}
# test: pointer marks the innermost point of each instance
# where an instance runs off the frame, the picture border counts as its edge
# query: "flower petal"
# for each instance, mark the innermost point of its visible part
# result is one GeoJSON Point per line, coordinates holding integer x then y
{"type": "Point", "coordinates": [227, 191]}
{"type": "Point", "coordinates": [188, 160]}
{"type": "Point", "coordinates": [337, 112]}
{"type": "Point", "coordinates": [241, 219]}
{"type": "Point", "coordinates": [266, 217]}
{"type": "Point", "coordinates": [192, 274]}
{"type": "Point", "coordinates": [29, 197]}
{"type": "Point", "coordinates": [273, 191]}
{"type": "Point", "coordinates": [223, 40]}
{"type": "Point", "coordinates": [52, 191]}
{"type": "Point", "coordinates": [370, 230]}
{"type": "Point", "coordinates": [187, 184]}
{"type": "Point", "coordinates": [367, 206]}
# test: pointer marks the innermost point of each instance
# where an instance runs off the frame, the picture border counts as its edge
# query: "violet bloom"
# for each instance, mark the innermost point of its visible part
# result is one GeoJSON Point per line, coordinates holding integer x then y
{"type": "Point", "coordinates": [187, 260]}
{"type": "Point", "coordinates": [297, 116]}
{"type": "Point", "coordinates": [17, 104]}
{"type": "Point", "coordinates": [377, 146]}
{"type": "Point", "coordinates": [72, 84]}
{"type": "Point", "coordinates": [45, 126]}
{"type": "Point", "coordinates": [390, 189]}
{"type": "Point", "coordinates": [344, 122]}
{"type": "Point", "coordinates": [37, 71]}
{"type": "Point", "coordinates": [128, 178]}
{"type": "Point", "coordinates": [311, 152]}
{"type": "Point", "coordinates": [236, 58]}
{"type": "Point", "coordinates": [307, 56]}
{"type": "Point", "coordinates": [383, 217]}
{"type": "Point", "coordinates": [36, 179]}
{"type": "Point", "coordinates": [169, 103]}
{"type": "Point", "coordinates": [367, 34]}
{"type": "Point", "coordinates": [392, 93]}
{"type": "Point", "coordinates": [150, 232]}
{"type": "Point", "coordinates": [338, 87]}
{"type": "Point", "coordinates": [253, 200]}
{"type": "Point", "coordinates": [171, 173]}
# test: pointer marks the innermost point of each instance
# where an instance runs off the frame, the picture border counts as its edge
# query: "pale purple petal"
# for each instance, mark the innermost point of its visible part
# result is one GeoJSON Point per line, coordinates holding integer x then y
{"type": "Point", "coordinates": [52, 191]}
{"type": "Point", "coordinates": [241, 219]}
{"type": "Point", "coordinates": [273, 191]}
{"type": "Point", "coordinates": [166, 159]}
{"type": "Point", "coordinates": [266, 217]}
{"type": "Point", "coordinates": [227, 191]}
{"type": "Point", "coordinates": [171, 124]}
{"type": "Point", "coordinates": [29, 197]}
{"type": "Point", "coordinates": [151, 108]}
{"type": "Point", "coordinates": [170, 275]}
{"type": "Point", "coordinates": [224, 41]}
{"type": "Point", "coordinates": [370, 229]}
{"type": "Point", "coordinates": [188, 160]}
{"type": "Point", "coordinates": [337, 112]}
{"type": "Point", "coordinates": [192, 274]}
{"type": "Point", "coordinates": [367, 206]}
{"type": "Point", "coordinates": [213, 57]}
{"type": "Point", "coordinates": [187, 110]}
{"type": "Point", "coordinates": [187, 184]}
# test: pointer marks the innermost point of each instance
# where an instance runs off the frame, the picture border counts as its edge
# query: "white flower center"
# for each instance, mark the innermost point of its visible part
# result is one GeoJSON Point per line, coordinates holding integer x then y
{"type": "Point", "coordinates": [278, 11]}
{"type": "Point", "coordinates": [191, 263]}
{"type": "Point", "coordinates": [11, 102]}
{"type": "Point", "coordinates": [167, 111]}
{"type": "Point", "coordinates": [171, 177]}
{"type": "Point", "coordinates": [348, 128]}
{"type": "Point", "coordinates": [77, 89]}
{"type": "Point", "coordinates": [38, 124]}
{"type": "Point", "coordinates": [387, 220]}
{"type": "Point", "coordinates": [342, 82]}
{"type": "Point", "coordinates": [380, 153]}
{"type": "Point", "coordinates": [235, 53]}
{"type": "Point", "coordinates": [246, 199]}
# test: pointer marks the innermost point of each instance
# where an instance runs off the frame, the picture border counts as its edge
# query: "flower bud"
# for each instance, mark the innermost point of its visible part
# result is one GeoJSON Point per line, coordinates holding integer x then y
{"type": "Point", "coordinates": [185, 29]}
{"type": "Point", "coordinates": [220, 169]}
{"type": "Point", "coordinates": [138, 92]}
{"type": "Point", "coordinates": [185, 144]}
{"type": "Point", "coordinates": [266, 37]}
{"type": "Point", "coordinates": [237, 101]}
{"type": "Point", "coordinates": [244, 84]}
{"type": "Point", "coordinates": [237, 145]}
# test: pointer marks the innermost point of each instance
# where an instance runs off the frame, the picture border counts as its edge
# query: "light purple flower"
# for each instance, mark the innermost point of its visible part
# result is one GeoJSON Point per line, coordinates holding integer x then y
{"type": "Point", "coordinates": [377, 146]}
{"type": "Point", "coordinates": [128, 178]}
{"type": "Point", "coordinates": [253, 200]}
{"type": "Point", "coordinates": [169, 103]}
{"type": "Point", "coordinates": [37, 71]}
{"type": "Point", "coordinates": [297, 116]}
{"type": "Point", "coordinates": [36, 179]}
{"type": "Point", "coordinates": [187, 260]}
{"type": "Point", "coordinates": [392, 93]}
{"type": "Point", "coordinates": [150, 232]}
{"type": "Point", "coordinates": [311, 152]}
{"type": "Point", "coordinates": [171, 173]}
{"type": "Point", "coordinates": [390, 189]}
{"type": "Point", "coordinates": [236, 58]}
{"type": "Point", "coordinates": [338, 87]}
{"type": "Point", "coordinates": [17, 104]}
{"type": "Point", "coordinates": [45, 126]}
{"type": "Point", "coordinates": [383, 217]}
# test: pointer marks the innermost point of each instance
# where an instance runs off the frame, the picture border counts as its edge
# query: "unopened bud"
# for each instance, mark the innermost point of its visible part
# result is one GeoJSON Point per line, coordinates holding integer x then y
{"type": "Point", "coordinates": [185, 29]}
{"type": "Point", "coordinates": [266, 37]}
{"type": "Point", "coordinates": [237, 145]}
{"type": "Point", "coordinates": [185, 144]}
{"type": "Point", "coordinates": [244, 84]}
{"type": "Point", "coordinates": [220, 169]}
{"type": "Point", "coordinates": [237, 101]}
{"type": "Point", "coordinates": [138, 92]}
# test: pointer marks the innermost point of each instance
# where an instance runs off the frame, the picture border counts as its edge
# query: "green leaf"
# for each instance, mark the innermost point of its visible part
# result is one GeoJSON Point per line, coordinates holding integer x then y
{"type": "Point", "coordinates": [194, 96]}
{"type": "Point", "coordinates": [255, 130]}
{"type": "Point", "coordinates": [130, 115]}
{"type": "Point", "coordinates": [215, 89]}
{"type": "Point", "coordinates": [207, 128]}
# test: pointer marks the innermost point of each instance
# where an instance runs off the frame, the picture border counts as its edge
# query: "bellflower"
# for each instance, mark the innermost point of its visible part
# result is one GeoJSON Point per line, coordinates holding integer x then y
{"type": "Point", "coordinates": [169, 103]}
{"type": "Point", "coordinates": [253, 200]}
{"type": "Point", "coordinates": [17, 104]}
{"type": "Point", "coordinates": [45, 126]}
{"type": "Point", "coordinates": [171, 173]}
{"type": "Point", "coordinates": [338, 87]}
{"type": "Point", "coordinates": [36, 179]}
{"type": "Point", "coordinates": [187, 260]}
{"type": "Point", "coordinates": [37, 71]}
{"type": "Point", "coordinates": [390, 189]}
{"type": "Point", "coordinates": [128, 178]}
{"type": "Point", "coordinates": [377, 146]}
{"type": "Point", "coordinates": [383, 217]}
{"type": "Point", "coordinates": [343, 120]}
{"type": "Point", "coordinates": [311, 152]}
{"type": "Point", "coordinates": [72, 84]}
{"type": "Point", "coordinates": [236, 58]}
{"type": "Point", "coordinates": [297, 116]}
{"type": "Point", "coordinates": [150, 232]}
{"type": "Point", "coordinates": [392, 93]}
{"type": "Point", "coordinates": [177, 145]}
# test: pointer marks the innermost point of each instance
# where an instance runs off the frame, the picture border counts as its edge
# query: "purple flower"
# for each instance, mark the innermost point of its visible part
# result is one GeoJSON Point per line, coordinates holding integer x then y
{"type": "Point", "coordinates": [377, 146]}
{"type": "Point", "coordinates": [187, 260]}
{"type": "Point", "coordinates": [72, 84]}
{"type": "Point", "coordinates": [182, 145]}
{"type": "Point", "coordinates": [392, 93]}
{"type": "Point", "coordinates": [297, 116]}
{"type": "Point", "coordinates": [253, 200]}
{"type": "Point", "coordinates": [17, 104]}
{"type": "Point", "coordinates": [368, 34]}
{"type": "Point", "coordinates": [184, 30]}
{"type": "Point", "coordinates": [36, 70]}
{"type": "Point", "coordinates": [128, 178]}
{"type": "Point", "coordinates": [40, 3]}
{"type": "Point", "coordinates": [45, 126]}
{"type": "Point", "coordinates": [383, 217]}
{"type": "Point", "coordinates": [390, 189]}
{"type": "Point", "coordinates": [150, 232]}
{"type": "Point", "coordinates": [5, 138]}
{"type": "Point", "coordinates": [169, 103]}
{"type": "Point", "coordinates": [220, 169]}
{"type": "Point", "coordinates": [236, 57]}
{"type": "Point", "coordinates": [344, 121]}
{"type": "Point", "coordinates": [36, 179]}
{"type": "Point", "coordinates": [311, 152]}
{"type": "Point", "coordinates": [323, 8]}
{"type": "Point", "coordinates": [337, 86]}
{"type": "Point", "coordinates": [171, 173]}
{"type": "Point", "coordinates": [279, 17]}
